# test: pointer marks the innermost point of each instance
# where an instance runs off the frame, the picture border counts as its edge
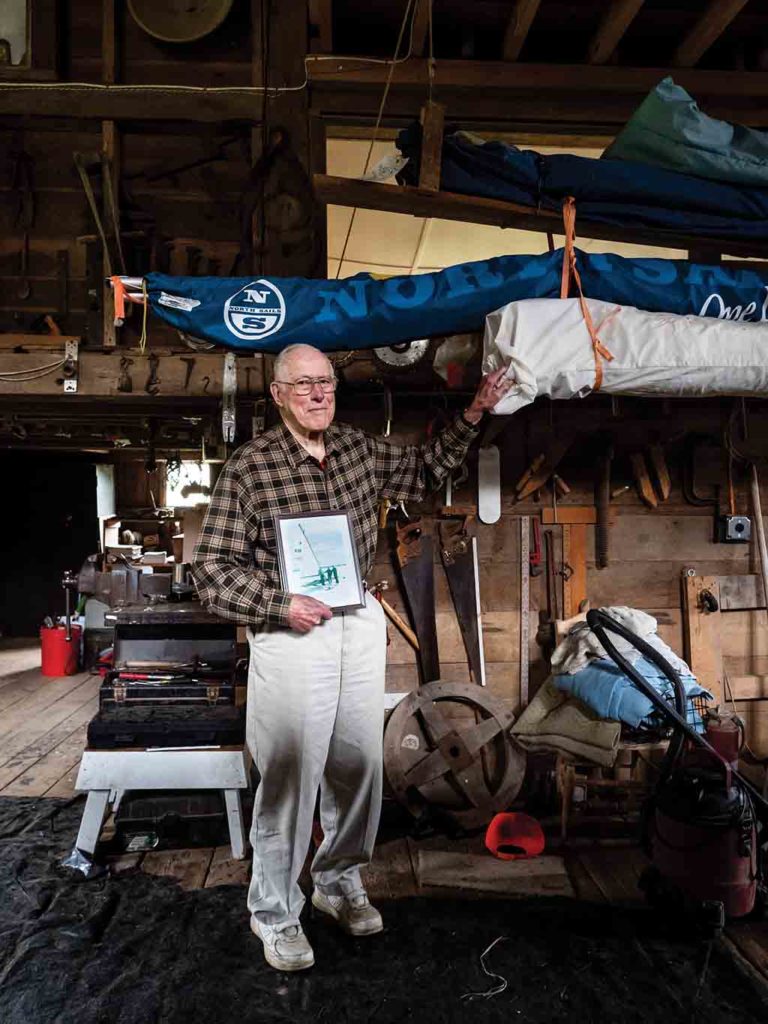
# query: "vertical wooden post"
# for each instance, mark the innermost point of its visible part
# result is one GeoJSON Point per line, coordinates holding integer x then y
{"type": "Point", "coordinates": [432, 121]}
{"type": "Point", "coordinates": [701, 630]}
{"type": "Point", "coordinates": [110, 148]}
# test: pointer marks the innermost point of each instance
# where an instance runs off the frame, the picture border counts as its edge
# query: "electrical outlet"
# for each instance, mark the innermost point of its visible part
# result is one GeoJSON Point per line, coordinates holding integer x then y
{"type": "Point", "coordinates": [735, 529]}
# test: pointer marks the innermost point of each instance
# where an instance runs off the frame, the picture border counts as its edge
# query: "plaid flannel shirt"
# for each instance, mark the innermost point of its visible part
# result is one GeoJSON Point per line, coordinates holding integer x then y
{"type": "Point", "coordinates": [235, 564]}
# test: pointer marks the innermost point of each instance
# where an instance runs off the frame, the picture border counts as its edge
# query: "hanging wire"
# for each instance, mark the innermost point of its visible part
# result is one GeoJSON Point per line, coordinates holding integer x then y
{"type": "Point", "coordinates": [32, 373]}
{"type": "Point", "coordinates": [273, 91]}
{"type": "Point", "coordinates": [410, 12]}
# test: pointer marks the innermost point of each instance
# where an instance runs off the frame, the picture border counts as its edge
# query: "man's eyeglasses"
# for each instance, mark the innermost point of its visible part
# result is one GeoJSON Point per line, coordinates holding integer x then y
{"type": "Point", "coordinates": [304, 385]}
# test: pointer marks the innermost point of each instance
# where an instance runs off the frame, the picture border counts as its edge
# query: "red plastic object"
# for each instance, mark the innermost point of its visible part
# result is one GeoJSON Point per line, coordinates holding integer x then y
{"type": "Point", "coordinates": [514, 836]}
{"type": "Point", "coordinates": [59, 656]}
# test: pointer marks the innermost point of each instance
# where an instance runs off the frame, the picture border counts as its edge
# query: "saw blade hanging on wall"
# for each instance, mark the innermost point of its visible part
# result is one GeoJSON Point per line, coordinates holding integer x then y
{"type": "Point", "coordinates": [458, 551]}
{"type": "Point", "coordinates": [414, 555]}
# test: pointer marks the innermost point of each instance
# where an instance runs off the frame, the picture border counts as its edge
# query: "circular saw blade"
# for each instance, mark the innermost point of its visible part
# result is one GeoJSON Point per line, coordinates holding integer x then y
{"type": "Point", "coordinates": [402, 356]}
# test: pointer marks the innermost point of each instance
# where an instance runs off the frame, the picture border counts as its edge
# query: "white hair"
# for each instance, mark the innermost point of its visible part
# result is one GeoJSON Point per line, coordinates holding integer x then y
{"type": "Point", "coordinates": [285, 356]}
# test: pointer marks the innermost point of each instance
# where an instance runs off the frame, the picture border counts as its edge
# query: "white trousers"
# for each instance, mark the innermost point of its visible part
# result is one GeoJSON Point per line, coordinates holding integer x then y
{"type": "Point", "coordinates": [315, 720]}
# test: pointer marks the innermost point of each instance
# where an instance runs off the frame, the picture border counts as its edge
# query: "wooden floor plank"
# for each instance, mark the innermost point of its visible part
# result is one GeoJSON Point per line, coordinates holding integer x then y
{"type": "Point", "coordinates": [30, 756]}
{"type": "Point", "coordinates": [751, 939]}
{"type": "Point", "coordinates": [119, 863]}
{"type": "Point", "coordinates": [187, 867]}
{"type": "Point", "coordinates": [40, 720]}
{"type": "Point", "coordinates": [17, 687]}
{"type": "Point", "coordinates": [57, 764]}
{"type": "Point", "coordinates": [64, 788]}
{"type": "Point", "coordinates": [609, 870]}
{"type": "Point", "coordinates": [225, 870]}
{"type": "Point", "coordinates": [19, 655]}
{"type": "Point", "coordinates": [25, 711]}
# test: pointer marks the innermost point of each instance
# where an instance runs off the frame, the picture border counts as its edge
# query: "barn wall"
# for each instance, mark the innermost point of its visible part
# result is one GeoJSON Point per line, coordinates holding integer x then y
{"type": "Point", "coordinates": [649, 548]}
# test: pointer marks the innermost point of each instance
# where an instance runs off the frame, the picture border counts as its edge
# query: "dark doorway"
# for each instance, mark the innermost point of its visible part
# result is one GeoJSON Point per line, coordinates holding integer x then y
{"type": "Point", "coordinates": [51, 525]}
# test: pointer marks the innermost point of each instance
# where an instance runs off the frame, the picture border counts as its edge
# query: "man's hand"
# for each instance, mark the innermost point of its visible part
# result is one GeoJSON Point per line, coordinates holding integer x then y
{"type": "Point", "coordinates": [491, 390]}
{"type": "Point", "coordinates": [304, 613]}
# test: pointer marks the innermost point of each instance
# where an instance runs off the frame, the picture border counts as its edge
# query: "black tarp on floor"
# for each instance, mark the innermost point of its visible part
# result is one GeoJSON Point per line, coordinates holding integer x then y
{"type": "Point", "coordinates": [137, 950]}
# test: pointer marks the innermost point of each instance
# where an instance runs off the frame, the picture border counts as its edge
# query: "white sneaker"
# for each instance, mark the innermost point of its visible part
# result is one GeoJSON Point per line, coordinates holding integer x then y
{"type": "Point", "coordinates": [285, 947]}
{"type": "Point", "coordinates": [353, 913]}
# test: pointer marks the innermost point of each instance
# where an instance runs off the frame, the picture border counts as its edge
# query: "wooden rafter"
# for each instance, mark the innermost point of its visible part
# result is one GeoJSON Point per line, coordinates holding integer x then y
{"type": "Point", "coordinates": [484, 94]}
{"type": "Point", "coordinates": [713, 22]}
{"type": "Point", "coordinates": [611, 29]}
{"type": "Point", "coordinates": [483, 76]}
{"type": "Point", "coordinates": [417, 202]}
{"type": "Point", "coordinates": [153, 103]}
{"type": "Point", "coordinates": [518, 27]}
{"type": "Point", "coordinates": [321, 18]}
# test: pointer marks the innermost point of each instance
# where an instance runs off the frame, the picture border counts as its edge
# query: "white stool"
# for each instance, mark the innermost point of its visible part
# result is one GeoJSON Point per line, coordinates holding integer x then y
{"type": "Point", "coordinates": [106, 774]}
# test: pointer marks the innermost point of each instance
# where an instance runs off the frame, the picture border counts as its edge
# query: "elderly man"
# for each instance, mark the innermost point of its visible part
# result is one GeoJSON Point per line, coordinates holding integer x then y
{"type": "Point", "coordinates": [316, 679]}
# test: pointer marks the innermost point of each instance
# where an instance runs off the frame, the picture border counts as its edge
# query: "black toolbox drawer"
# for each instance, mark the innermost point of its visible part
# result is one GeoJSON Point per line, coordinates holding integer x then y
{"type": "Point", "coordinates": [168, 726]}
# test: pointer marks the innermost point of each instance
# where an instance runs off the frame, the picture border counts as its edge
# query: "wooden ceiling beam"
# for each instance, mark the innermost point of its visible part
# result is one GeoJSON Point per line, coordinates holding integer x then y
{"type": "Point", "coordinates": [483, 76]}
{"type": "Point", "coordinates": [611, 29]}
{"type": "Point", "coordinates": [713, 22]}
{"type": "Point", "coordinates": [118, 102]}
{"type": "Point", "coordinates": [518, 27]}
{"type": "Point", "coordinates": [368, 195]}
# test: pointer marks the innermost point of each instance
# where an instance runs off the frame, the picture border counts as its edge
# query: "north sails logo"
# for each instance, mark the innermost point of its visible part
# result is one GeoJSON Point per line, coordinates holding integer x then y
{"type": "Point", "coordinates": [256, 311]}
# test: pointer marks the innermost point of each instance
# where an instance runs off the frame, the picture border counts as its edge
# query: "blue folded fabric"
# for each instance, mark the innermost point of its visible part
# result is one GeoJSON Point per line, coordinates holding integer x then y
{"type": "Point", "coordinates": [619, 192]}
{"type": "Point", "coordinates": [604, 687]}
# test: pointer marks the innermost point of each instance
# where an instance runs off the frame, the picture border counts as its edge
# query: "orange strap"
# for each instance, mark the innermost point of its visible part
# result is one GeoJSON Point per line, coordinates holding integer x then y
{"type": "Point", "coordinates": [570, 270]}
{"type": "Point", "coordinates": [118, 290]}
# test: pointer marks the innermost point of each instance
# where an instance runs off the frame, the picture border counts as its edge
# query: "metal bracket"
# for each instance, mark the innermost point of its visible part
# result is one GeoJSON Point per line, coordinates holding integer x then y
{"type": "Point", "coordinates": [70, 367]}
{"type": "Point", "coordinates": [229, 393]}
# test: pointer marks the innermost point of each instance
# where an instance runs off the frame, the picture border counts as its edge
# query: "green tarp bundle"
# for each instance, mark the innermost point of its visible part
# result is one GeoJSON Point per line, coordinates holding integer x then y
{"type": "Point", "coordinates": [668, 130]}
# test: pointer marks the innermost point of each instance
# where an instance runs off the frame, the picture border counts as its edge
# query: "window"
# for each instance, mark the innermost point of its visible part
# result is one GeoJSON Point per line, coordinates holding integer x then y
{"type": "Point", "coordinates": [14, 33]}
{"type": "Point", "coordinates": [188, 484]}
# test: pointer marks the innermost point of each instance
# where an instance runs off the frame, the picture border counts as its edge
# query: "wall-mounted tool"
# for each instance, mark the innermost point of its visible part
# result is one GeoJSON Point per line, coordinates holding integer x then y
{"type": "Point", "coordinates": [489, 484]}
{"type": "Point", "coordinates": [414, 556]}
{"type": "Point", "coordinates": [228, 400]}
{"type": "Point", "coordinates": [171, 23]}
{"type": "Point", "coordinates": [152, 387]}
{"type": "Point", "coordinates": [124, 381]}
{"type": "Point", "coordinates": [542, 469]}
{"type": "Point", "coordinates": [403, 356]}
{"type": "Point", "coordinates": [458, 551]}
{"type": "Point", "coordinates": [394, 617]}
{"type": "Point", "coordinates": [651, 475]}
{"type": "Point", "coordinates": [189, 362]}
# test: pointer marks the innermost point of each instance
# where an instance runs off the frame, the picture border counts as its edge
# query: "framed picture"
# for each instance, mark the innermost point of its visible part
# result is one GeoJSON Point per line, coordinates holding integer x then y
{"type": "Point", "coordinates": [318, 558]}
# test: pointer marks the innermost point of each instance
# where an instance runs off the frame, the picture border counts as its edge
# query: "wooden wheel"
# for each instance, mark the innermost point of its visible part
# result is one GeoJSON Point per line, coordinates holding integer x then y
{"type": "Point", "coordinates": [467, 768]}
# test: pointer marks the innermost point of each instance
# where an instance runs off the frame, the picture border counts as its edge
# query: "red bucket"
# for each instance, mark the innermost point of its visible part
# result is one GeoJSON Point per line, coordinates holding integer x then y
{"type": "Point", "coordinates": [60, 657]}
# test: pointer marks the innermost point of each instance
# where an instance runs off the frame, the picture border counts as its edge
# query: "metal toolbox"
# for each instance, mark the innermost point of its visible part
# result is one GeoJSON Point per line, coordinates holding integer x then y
{"type": "Point", "coordinates": [170, 655]}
